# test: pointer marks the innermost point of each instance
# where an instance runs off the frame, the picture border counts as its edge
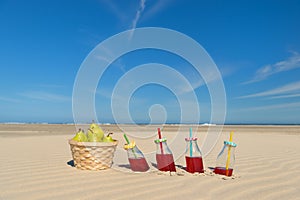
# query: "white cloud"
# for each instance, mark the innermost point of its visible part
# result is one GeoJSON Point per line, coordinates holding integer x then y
{"type": "Point", "coordinates": [138, 13]}
{"type": "Point", "coordinates": [289, 88]}
{"type": "Point", "coordinates": [124, 14]}
{"type": "Point", "coordinates": [264, 72]}
{"type": "Point", "coordinates": [137, 17]}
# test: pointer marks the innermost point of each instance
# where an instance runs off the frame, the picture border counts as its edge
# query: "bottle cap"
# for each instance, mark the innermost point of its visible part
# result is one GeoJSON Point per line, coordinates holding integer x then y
{"type": "Point", "coordinates": [191, 139]}
{"type": "Point", "coordinates": [131, 145]}
{"type": "Point", "coordinates": [230, 143]}
{"type": "Point", "coordinates": [160, 140]}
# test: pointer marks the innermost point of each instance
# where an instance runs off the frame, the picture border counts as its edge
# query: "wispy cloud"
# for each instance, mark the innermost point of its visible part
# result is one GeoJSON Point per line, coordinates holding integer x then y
{"type": "Point", "coordinates": [285, 96]}
{"type": "Point", "coordinates": [137, 17]}
{"type": "Point", "coordinates": [138, 13]}
{"type": "Point", "coordinates": [45, 96]}
{"type": "Point", "coordinates": [289, 88]}
{"type": "Point", "coordinates": [264, 72]}
{"type": "Point", "coordinates": [156, 7]}
{"type": "Point", "coordinates": [125, 14]}
{"type": "Point", "coordinates": [272, 107]}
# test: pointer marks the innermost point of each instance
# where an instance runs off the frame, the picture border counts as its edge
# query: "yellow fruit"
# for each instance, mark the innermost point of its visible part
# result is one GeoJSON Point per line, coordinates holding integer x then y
{"type": "Point", "coordinates": [80, 136]}
{"type": "Point", "coordinates": [108, 138]}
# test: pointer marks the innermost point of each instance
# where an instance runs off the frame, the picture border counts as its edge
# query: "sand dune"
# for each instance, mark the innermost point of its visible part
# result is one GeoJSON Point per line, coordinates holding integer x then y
{"type": "Point", "coordinates": [35, 164]}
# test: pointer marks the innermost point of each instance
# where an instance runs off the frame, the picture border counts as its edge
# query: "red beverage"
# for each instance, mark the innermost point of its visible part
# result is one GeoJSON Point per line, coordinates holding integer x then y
{"type": "Point", "coordinates": [165, 162]}
{"type": "Point", "coordinates": [223, 171]}
{"type": "Point", "coordinates": [194, 164]}
{"type": "Point", "coordinates": [138, 164]}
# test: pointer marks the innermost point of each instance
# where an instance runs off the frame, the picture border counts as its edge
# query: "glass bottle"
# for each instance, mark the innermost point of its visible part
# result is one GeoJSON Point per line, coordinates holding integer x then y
{"type": "Point", "coordinates": [136, 158]}
{"type": "Point", "coordinates": [226, 159]}
{"type": "Point", "coordinates": [164, 156]}
{"type": "Point", "coordinates": [193, 156]}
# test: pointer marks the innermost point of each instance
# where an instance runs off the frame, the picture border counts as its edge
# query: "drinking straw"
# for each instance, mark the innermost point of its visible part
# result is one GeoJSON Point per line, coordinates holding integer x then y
{"type": "Point", "coordinates": [126, 138]}
{"type": "Point", "coordinates": [228, 154]}
{"type": "Point", "coordinates": [160, 143]}
{"type": "Point", "coordinates": [128, 142]}
{"type": "Point", "coordinates": [191, 144]}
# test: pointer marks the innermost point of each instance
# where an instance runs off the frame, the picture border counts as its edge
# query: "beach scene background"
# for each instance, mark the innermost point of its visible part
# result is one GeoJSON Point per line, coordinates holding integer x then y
{"type": "Point", "coordinates": [215, 67]}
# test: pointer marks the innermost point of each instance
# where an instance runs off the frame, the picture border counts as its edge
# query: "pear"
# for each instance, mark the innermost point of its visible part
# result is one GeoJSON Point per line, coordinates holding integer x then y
{"type": "Point", "coordinates": [92, 137]}
{"type": "Point", "coordinates": [99, 133]}
{"type": "Point", "coordinates": [94, 125]}
{"type": "Point", "coordinates": [80, 136]}
{"type": "Point", "coordinates": [97, 130]}
{"type": "Point", "coordinates": [108, 138]}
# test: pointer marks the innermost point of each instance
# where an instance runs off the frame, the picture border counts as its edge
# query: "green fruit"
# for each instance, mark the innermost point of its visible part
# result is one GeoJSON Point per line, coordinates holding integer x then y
{"type": "Point", "coordinates": [97, 130]}
{"type": "Point", "coordinates": [108, 138]}
{"type": "Point", "coordinates": [92, 137]}
{"type": "Point", "coordinates": [94, 125]}
{"type": "Point", "coordinates": [80, 136]}
{"type": "Point", "coordinates": [99, 133]}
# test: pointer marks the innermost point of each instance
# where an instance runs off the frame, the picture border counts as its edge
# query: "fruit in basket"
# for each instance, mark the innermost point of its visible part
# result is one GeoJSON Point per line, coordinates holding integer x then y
{"type": "Point", "coordinates": [99, 133]}
{"type": "Point", "coordinates": [108, 138]}
{"type": "Point", "coordinates": [80, 136]}
{"type": "Point", "coordinates": [97, 130]}
{"type": "Point", "coordinates": [93, 125]}
{"type": "Point", "coordinates": [92, 137]}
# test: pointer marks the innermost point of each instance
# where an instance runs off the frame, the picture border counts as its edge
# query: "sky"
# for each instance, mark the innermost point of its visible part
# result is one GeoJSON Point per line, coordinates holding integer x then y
{"type": "Point", "coordinates": [255, 45]}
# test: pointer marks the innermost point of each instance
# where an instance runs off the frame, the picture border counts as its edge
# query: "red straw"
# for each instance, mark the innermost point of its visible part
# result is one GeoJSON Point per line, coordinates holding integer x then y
{"type": "Point", "coordinates": [160, 143]}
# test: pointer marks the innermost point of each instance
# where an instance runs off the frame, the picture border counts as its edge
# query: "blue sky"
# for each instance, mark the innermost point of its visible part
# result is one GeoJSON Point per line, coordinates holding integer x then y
{"type": "Point", "coordinates": [255, 44]}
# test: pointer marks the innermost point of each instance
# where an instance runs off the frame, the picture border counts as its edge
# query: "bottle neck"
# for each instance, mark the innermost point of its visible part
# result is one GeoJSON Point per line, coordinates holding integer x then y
{"type": "Point", "coordinates": [134, 153]}
{"type": "Point", "coordinates": [162, 148]}
{"type": "Point", "coordinates": [192, 149]}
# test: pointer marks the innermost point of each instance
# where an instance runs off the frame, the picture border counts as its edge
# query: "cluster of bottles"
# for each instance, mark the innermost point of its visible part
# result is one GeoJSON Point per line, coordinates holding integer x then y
{"type": "Point", "coordinates": [193, 156]}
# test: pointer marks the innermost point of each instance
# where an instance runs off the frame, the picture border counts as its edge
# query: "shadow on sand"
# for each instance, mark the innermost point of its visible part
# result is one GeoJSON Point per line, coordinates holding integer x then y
{"type": "Point", "coordinates": [71, 163]}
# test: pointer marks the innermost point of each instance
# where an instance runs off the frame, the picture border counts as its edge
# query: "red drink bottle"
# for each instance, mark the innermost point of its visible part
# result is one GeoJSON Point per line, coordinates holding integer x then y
{"type": "Point", "coordinates": [136, 158]}
{"type": "Point", "coordinates": [226, 159]}
{"type": "Point", "coordinates": [193, 156]}
{"type": "Point", "coordinates": [164, 156]}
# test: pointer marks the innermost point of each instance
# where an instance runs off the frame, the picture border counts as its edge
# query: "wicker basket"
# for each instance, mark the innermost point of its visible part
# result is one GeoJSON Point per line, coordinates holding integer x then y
{"type": "Point", "coordinates": [93, 155]}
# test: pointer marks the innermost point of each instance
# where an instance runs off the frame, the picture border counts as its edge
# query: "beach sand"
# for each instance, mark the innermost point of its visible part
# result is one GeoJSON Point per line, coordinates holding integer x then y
{"type": "Point", "coordinates": [35, 164]}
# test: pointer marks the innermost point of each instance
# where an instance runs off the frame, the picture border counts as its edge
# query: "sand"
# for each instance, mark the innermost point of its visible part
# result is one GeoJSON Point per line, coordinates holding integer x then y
{"type": "Point", "coordinates": [35, 164]}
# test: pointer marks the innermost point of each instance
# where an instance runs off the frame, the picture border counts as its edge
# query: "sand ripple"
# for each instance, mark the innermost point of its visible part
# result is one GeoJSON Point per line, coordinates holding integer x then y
{"type": "Point", "coordinates": [36, 167]}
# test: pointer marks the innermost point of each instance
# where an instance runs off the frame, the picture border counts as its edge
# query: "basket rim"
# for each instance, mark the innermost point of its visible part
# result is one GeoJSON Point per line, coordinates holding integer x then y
{"type": "Point", "coordinates": [93, 144]}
